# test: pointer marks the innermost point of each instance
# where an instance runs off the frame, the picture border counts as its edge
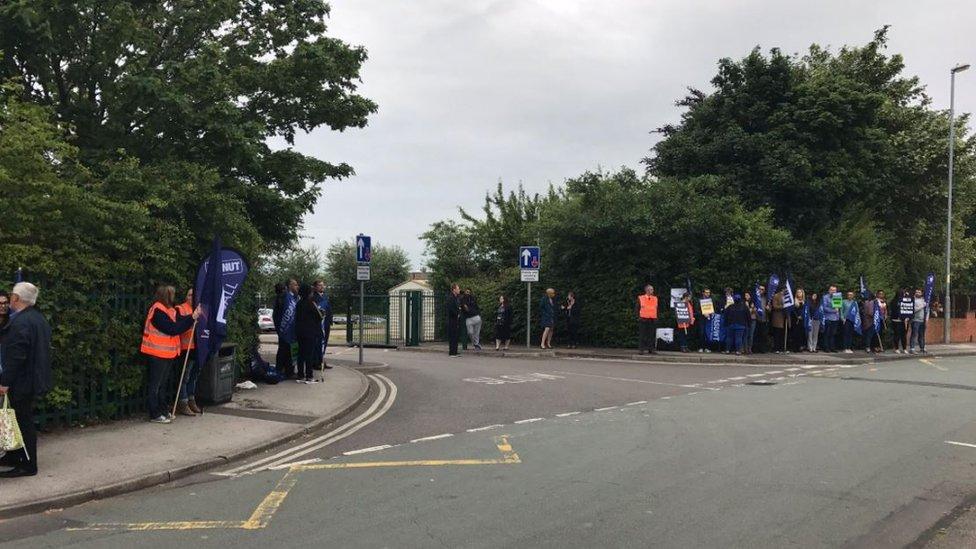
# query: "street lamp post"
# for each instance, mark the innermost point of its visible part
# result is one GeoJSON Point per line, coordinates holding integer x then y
{"type": "Point", "coordinates": [947, 332]}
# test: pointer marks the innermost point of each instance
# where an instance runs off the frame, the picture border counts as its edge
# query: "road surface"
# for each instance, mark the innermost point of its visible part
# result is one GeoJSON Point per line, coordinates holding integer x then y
{"type": "Point", "coordinates": [503, 452]}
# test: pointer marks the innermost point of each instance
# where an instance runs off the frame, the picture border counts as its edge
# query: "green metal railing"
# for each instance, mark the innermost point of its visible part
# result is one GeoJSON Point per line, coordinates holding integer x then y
{"type": "Point", "coordinates": [404, 318]}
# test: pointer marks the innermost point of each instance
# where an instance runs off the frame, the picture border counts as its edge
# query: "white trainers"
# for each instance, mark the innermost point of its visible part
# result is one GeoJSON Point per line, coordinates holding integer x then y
{"type": "Point", "coordinates": [897, 351]}
{"type": "Point", "coordinates": [161, 419]}
{"type": "Point", "coordinates": [300, 381]}
{"type": "Point", "coordinates": [848, 351]}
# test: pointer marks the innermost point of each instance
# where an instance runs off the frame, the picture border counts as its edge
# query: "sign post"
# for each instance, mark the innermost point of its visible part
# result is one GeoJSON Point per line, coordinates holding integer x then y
{"type": "Point", "coordinates": [530, 260]}
{"type": "Point", "coordinates": [364, 254]}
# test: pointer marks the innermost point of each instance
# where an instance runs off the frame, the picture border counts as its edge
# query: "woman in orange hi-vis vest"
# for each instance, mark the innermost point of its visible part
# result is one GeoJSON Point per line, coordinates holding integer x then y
{"type": "Point", "coordinates": [647, 320]}
{"type": "Point", "coordinates": [188, 388]}
{"type": "Point", "coordinates": [161, 343]}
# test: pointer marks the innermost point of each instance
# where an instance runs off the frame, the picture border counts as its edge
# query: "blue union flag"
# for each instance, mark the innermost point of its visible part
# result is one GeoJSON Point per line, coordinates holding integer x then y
{"type": "Point", "coordinates": [219, 281]}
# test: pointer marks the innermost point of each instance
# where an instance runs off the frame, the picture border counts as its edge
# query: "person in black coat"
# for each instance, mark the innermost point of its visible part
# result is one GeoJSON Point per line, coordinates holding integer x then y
{"type": "Point", "coordinates": [571, 310]}
{"type": "Point", "coordinates": [453, 306]}
{"type": "Point", "coordinates": [308, 331]}
{"type": "Point", "coordinates": [503, 323]}
{"type": "Point", "coordinates": [26, 354]}
{"type": "Point", "coordinates": [283, 358]}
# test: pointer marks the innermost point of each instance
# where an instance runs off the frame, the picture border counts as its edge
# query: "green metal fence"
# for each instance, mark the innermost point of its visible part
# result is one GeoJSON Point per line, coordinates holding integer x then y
{"type": "Point", "coordinates": [403, 318]}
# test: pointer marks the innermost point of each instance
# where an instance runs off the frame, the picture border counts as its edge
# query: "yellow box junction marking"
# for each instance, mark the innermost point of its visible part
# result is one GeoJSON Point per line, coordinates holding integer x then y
{"type": "Point", "coordinates": [266, 510]}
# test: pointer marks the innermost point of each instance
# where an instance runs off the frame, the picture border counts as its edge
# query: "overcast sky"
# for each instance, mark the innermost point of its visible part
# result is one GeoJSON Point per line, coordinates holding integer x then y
{"type": "Point", "coordinates": [471, 92]}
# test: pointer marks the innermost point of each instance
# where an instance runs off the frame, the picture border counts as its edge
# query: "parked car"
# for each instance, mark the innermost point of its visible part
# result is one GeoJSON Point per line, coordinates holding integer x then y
{"type": "Point", "coordinates": [339, 319]}
{"type": "Point", "coordinates": [265, 323]}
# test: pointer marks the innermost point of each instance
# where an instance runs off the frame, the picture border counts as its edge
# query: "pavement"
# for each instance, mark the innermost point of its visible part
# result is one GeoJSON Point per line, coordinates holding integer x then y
{"type": "Point", "coordinates": [84, 463]}
{"type": "Point", "coordinates": [546, 451]}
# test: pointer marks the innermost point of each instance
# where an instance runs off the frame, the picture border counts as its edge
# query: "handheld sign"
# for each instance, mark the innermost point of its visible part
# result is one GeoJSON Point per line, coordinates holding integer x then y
{"type": "Point", "coordinates": [837, 300]}
{"type": "Point", "coordinates": [707, 307]}
{"type": "Point", "coordinates": [906, 306]}
{"type": "Point", "coordinates": [682, 313]}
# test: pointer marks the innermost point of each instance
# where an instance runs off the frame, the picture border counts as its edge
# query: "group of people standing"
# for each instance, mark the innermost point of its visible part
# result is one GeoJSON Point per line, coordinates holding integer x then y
{"type": "Point", "coordinates": [463, 306]}
{"type": "Point", "coordinates": [302, 313]}
{"type": "Point", "coordinates": [752, 322]}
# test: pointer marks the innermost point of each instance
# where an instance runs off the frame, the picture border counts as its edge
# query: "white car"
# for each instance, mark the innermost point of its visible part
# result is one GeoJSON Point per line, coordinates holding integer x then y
{"type": "Point", "coordinates": [265, 323]}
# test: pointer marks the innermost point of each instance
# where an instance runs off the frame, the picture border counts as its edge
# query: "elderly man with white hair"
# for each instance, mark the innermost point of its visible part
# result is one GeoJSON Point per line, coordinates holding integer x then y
{"type": "Point", "coordinates": [25, 349]}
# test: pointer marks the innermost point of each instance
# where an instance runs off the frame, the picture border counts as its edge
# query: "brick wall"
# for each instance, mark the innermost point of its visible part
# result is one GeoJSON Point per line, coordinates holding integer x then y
{"type": "Point", "coordinates": [963, 329]}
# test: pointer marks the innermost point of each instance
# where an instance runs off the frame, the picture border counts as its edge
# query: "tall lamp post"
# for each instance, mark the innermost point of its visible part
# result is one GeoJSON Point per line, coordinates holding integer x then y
{"type": "Point", "coordinates": [947, 332]}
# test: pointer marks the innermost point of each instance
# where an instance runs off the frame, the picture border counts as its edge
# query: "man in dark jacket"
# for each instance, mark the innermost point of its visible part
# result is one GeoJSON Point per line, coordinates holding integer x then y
{"type": "Point", "coordinates": [26, 374]}
{"type": "Point", "coordinates": [453, 319]}
{"type": "Point", "coordinates": [283, 316]}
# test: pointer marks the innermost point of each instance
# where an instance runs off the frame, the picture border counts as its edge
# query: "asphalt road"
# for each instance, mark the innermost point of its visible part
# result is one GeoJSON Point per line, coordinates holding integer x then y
{"type": "Point", "coordinates": [502, 452]}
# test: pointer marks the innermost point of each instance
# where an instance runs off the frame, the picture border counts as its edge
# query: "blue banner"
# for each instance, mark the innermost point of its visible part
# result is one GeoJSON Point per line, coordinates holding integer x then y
{"type": "Point", "coordinates": [853, 315]}
{"type": "Point", "coordinates": [789, 301]}
{"type": "Point", "coordinates": [929, 288]}
{"type": "Point", "coordinates": [864, 288]}
{"type": "Point", "coordinates": [715, 330]}
{"type": "Point", "coordinates": [219, 280]}
{"type": "Point", "coordinates": [806, 316]}
{"type": "Point", "coordinates": [19, 276]}
{"type": "Point", "coordinates": [760, 306]}
{"type": "Point", "coordinates": [877, 317]}
{"type": "Point", "coordinates": [772, 287]}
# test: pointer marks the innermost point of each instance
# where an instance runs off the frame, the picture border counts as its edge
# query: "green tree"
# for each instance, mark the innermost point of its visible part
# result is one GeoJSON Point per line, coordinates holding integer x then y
{"type": "Point", "coordinates": [195, 92]}
{"type": "Point", "coordinates": [389, 267]}
{"type": "Point", "coordinates": [830, 142]}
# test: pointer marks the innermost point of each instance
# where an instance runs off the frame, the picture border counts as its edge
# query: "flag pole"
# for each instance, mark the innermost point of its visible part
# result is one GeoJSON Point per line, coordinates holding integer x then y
{"type": "Point", "coordinates": [183, 372]}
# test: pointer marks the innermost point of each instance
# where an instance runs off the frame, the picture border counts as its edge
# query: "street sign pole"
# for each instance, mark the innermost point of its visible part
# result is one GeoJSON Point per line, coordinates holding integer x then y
{"type": "Point", "coordinates": [364, 256]}
{"type": "Point", "coordinates": [528, 316]}
{"type": "Point", "coordinates": [362, 302]}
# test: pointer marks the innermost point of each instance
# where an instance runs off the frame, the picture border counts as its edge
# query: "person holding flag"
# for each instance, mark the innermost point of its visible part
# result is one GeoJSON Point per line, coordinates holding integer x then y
{"type": "Point", "coordinates": [789, 304]}
{"type": "Point", "coordinates": [919, 319]}
{"type": "Point", "coordinates": [852, 324]}
{"type": "Point", "coordinates": [761, 332]}
{"type": "Point", "coordinates": [777, 321]}
{"type": "Point", "coordinates": [283, 316]}
{"type": "Point", "coordinates": [188, 387]}
{"type": "Point", "coordinates": [325, 307]}
{"type": "Point", "coordinates": [848, 324]}
{"type": "Point", "coordinates": [161, 344]}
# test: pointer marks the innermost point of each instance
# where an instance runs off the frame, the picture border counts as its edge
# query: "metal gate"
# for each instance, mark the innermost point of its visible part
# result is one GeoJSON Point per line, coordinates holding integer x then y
{"type": "Point", "coordinates": [405, 318]}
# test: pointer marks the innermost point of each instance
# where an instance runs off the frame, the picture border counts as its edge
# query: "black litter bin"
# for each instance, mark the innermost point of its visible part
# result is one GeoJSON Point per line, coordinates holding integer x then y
{"type": "Point", "coordinates": [216, 383]}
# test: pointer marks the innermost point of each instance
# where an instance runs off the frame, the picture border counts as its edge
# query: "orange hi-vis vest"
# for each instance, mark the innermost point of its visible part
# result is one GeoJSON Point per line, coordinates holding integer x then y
{"type": "Point", "coordinates": [186, 338]}
{"type": "Point", "coordinates": [648, 306]}
{"type": "Point", "coordinates": [156, 343]}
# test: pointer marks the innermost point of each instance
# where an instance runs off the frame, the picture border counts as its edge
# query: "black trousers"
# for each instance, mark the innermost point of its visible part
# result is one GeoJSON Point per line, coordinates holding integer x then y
{"type": "Point", "coordinates": [759, 339]}
{"type": "Point", "coordinates": [779, 344]}
{"type": "Point", "coordinates": [159, 371]}
{"type": "Point", "coordinates": [453, 332]}
{"type": "Point", "coordinates": [283, 359]}
{"type": "Point", "coordinates": [573, 329]}
{"type": "Point", "coordinates": [25, 458]}
{"type": "Point", "coordinates": [308, 352]}
{"type": "Point", "coordinates": [901, 334]}
{"type": "Point", "coordinates": [647, 333]}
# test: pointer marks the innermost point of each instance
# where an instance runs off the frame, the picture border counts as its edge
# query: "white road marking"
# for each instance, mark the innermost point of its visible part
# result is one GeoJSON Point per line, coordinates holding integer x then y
{"type": "Point", "coordinates": [692, 386]}
{"type": "Point", "coordinates": [530, 420]}
{"type": "Point", "coordinates": [695, 393]}
{"type": "Point", "coordinates": [485, 428]}
{"type": "Point", "coordinates": [303, 462]}
{"type": "Point", "coordinates": [719, 381]}
{"type": "Point", "coordinates": [793, 369]}
{"type": "Point", "coordinates": [968, 445]}
{"type": "Point", "coordinates": [603, 409]}
{"type": "Point", "coordinates": [774, 372]}
{"type": "Point", "coordinates": [567, 414]}
{"type": "Point", "coordinates": [435, 437]}
{"type": "Point", "coordinates": [259, 464]}
{"type": "Point", "coordinates": [755, 375]}
{"type": "Point", "coordinates": [737, 378]}
{"type": "Point", "coordinates": [781, 378]}
{"type": "Point", "coordinates": [636, 403]}
{"type": "Point", "coordinates": [809, 366]}
{"type": "Point", "coordinates": [665, 398]}
{"type": "Point", "coordinates": [364, 450]}
{"type": "Point", "coordinates": [371, 415]}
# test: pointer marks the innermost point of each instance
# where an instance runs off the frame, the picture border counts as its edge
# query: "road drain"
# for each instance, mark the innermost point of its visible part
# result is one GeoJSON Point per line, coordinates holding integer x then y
{"type": "Point", "coordinates": [761, 382]}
